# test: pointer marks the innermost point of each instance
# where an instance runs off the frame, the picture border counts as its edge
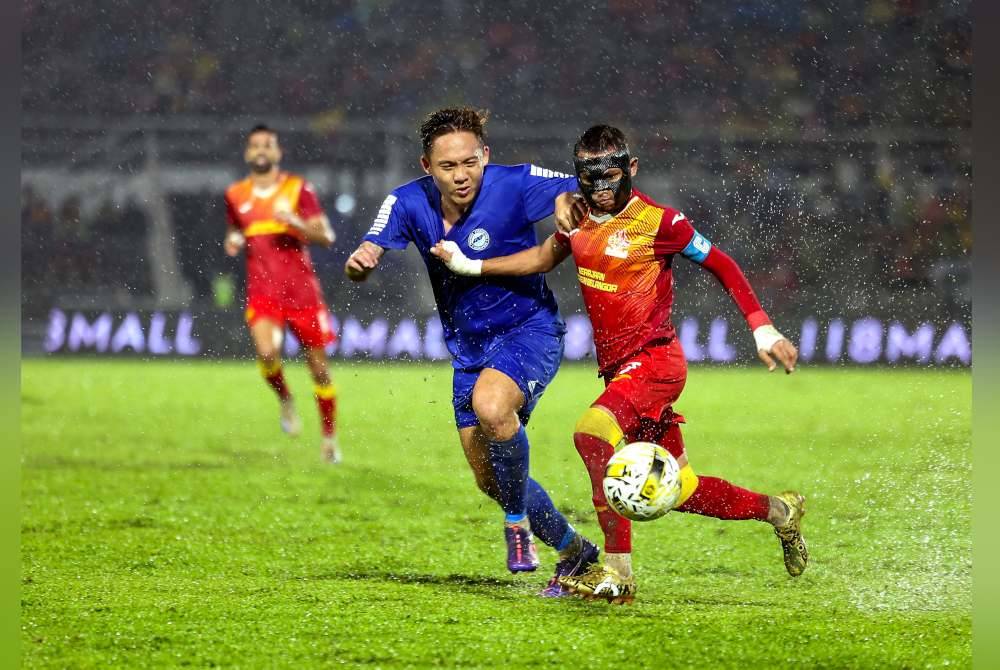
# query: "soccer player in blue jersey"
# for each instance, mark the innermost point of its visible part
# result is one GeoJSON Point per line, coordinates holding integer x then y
{"type": "Point", "coordinates": [505, 334]}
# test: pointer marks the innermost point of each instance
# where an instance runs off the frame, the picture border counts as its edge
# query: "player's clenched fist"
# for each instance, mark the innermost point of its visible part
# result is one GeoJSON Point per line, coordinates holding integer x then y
{"type": "Point", "coordinates": [233, 243]}
{"type": "Point", "coordinates": [452, 256]}
{"type": "Point", "coordinates": [772, 343]}
{"type": "Point", "coordinates": [364, 259]}
{"type": "Point", "coordinates": [569, 212]}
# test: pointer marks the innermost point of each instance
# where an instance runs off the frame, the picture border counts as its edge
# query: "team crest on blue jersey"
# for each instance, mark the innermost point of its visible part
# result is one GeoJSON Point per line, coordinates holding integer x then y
{"type": "Point", "coordinates": [478, 239]}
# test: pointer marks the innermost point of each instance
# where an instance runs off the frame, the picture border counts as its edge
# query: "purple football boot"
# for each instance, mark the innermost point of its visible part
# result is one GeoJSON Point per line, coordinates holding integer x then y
{"type": "Point", "coordinates": [570, 567]}
{"type": "Point", "coordinates": [521, 553]}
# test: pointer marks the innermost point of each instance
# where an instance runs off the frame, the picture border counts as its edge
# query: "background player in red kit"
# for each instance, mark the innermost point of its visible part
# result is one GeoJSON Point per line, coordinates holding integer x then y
{"type": "Point", "coordinates": [623, 247]}
{"type": "Point", "coordinates": [275, 215]}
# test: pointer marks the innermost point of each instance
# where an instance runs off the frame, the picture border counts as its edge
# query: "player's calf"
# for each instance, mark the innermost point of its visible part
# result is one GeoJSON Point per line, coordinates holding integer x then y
{"type": "Point", "coordinates": [714, 497]}
{"type": "Point", "coordinates": [272, 372]}
{"type": "Point", "coordinates": [326, 403]}
{"type": "Point", "coordinates": [595, 436]}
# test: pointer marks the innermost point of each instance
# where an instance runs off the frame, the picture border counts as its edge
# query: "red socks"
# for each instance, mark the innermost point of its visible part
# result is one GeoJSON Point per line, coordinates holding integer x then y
{"type": "Point", "coordinates": [275, 378]}
{"type": "Point", "coordinates": [326, 400]}
{"type": "Point", "coordinates": [617, 529]}
{"type": "Point", "coordinates": [713, 497]}
{"type": "Point", "coordinates": [718, 498]}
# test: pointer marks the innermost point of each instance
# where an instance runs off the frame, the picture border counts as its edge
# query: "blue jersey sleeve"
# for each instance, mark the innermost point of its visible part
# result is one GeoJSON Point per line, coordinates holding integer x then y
{"type": "Point", "coordinates": [540, 188]}
{"type": "Point", "coordinates": [391, 228]}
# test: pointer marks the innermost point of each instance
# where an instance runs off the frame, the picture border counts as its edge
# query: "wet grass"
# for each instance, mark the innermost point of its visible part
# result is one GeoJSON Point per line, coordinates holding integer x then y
{"type": "Point", "coordinates": [167, 522]}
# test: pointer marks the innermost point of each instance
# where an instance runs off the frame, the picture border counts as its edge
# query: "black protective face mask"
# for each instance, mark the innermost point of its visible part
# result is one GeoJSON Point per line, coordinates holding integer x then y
{"type": "Point", "coordinates": [594, 169]}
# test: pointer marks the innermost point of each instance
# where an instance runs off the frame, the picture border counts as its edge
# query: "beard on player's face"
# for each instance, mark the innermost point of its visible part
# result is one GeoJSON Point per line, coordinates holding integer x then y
{"type": "Point", "coordinates": [261, 164]}
{"type": "Point", "coordinates": [609, 201]}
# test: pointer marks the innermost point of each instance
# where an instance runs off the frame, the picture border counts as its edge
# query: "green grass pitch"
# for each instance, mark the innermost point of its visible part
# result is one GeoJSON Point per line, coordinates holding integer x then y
{"type": "Point", "coordinates": [167, 522]}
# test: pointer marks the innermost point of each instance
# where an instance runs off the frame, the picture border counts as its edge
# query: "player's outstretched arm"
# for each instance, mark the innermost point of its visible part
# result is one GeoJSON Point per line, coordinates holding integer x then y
{"type": "Point", "coordinates": [313, 229]}
{"type": "Point", "coordinates": [364, 259]}
{"type": "Point", "coordinates": [540, 258]}
{"type": "Point", "coordinates": [768, 340]}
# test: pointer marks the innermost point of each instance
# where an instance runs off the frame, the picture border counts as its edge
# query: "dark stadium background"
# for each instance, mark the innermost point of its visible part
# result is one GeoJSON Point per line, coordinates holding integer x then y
{"type": "Point", "coordinates": [826, 145]}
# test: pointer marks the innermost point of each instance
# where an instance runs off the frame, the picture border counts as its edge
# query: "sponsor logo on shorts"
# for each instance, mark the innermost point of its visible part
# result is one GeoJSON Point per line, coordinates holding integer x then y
{"type": "Point", "coordinates": [478, 239]}
{"type": "Point", "coordinates": [634, 365]}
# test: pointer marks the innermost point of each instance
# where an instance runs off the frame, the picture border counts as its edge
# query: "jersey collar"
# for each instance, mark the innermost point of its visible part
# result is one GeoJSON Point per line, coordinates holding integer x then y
{"type": "Point", "coordinates": [270, 190]}
{"type": "Point", "coordinates": [604, 218]}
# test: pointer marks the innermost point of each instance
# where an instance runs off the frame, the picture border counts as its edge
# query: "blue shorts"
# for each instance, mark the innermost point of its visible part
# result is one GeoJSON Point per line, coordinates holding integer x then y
{"type": "Point", "coordinates": [530, 357]}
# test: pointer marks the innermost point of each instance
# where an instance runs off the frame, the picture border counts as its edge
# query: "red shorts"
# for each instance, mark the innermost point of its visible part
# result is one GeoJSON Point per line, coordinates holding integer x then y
{"type": "Point", "coordinates": [310, 325]}
{"type": "Point", "coordinates": [643, 389]}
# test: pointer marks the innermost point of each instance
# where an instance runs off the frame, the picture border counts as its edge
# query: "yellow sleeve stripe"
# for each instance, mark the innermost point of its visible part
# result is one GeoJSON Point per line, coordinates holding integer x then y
{"type": "Point", "coordinates": [265, 227]}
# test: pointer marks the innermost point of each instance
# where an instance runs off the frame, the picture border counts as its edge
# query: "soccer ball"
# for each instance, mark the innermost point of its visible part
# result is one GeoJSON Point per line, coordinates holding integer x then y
{"type": "Point", "coordinates": [642, 481]}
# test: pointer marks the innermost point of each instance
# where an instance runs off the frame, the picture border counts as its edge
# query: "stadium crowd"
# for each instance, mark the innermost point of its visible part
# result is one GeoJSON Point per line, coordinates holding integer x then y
{"type": "Point", "coordinates": [806, 66]}
{"type": "Point", "coordinates": [892, 229]}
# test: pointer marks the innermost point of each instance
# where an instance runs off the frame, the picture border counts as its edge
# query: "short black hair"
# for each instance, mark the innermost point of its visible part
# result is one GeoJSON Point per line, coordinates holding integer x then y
{"type": "Point", "coordinates": [452, 120]}
{"type": "Point", "coordinates": [262, 128]}
{"type": "Point", "coordinates": [600, 139]}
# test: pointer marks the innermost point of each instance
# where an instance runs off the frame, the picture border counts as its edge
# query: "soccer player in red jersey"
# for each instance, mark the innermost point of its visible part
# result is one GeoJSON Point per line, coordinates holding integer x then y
{"type": "Point", "coordinates": [623, 246]}
{"type": "Point", "coordinates": [275, 215]}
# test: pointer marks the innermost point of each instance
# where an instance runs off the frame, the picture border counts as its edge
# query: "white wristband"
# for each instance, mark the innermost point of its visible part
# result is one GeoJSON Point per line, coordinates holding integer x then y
{"type": "Point", "coordinates": [766, 337]}
{"type": "Point", "coordinates": [235, 238]}
{"type": "Point", "coordinates": [461, 264]}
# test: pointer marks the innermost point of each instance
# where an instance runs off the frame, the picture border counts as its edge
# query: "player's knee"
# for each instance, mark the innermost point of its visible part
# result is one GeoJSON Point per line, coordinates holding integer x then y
{"type": "Point", "coordinates": [689, 483]}
{"type": "Point", "coordinates": [496, 418]}
{"type": "Point", "coordinates": [598, 423]}
{"type": "Point", "coordinates": [320, 376]}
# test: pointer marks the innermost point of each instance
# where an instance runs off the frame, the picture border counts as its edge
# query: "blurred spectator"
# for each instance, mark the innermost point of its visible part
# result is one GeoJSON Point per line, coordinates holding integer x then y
{"type": "Point", "coordinates": [785, 65]}
{"type": "Point", "coordinates": [822, 225]}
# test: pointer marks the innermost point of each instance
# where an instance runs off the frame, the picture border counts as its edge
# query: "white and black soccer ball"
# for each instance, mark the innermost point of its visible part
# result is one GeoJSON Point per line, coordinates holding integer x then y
{"type": "Point", "coordinates": [642, 481]}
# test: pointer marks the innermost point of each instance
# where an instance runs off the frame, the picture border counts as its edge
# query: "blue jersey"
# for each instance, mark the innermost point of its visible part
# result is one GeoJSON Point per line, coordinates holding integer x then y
{"type": "Point", "coordinates": [477, 313]}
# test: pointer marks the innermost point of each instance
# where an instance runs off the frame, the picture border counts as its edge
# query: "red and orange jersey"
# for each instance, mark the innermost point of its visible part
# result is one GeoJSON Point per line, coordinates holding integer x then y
{"type": "Point", "coordinates": [623, 265]}
{"type": "Point", "coordinates": [279, 270]}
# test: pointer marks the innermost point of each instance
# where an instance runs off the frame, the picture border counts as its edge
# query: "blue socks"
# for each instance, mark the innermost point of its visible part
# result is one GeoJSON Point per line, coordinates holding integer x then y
{"type": "Point", "coordinates": [509, 460]}
{"type": "Point", "coordinates": [522, 496]}
{"type": "Point", "coordinates": [546, 521]}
